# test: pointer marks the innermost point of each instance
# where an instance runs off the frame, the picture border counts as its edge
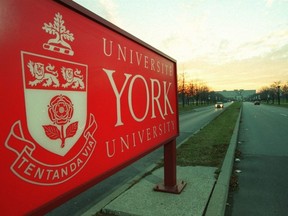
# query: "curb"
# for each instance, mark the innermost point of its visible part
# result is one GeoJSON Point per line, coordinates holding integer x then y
{"type": "Point", "coordinates": [218, 199]}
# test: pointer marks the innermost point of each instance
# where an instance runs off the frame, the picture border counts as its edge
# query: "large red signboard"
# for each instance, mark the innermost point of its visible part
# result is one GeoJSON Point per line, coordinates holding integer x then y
{"type": "Point", "coordinates": [80, 99]}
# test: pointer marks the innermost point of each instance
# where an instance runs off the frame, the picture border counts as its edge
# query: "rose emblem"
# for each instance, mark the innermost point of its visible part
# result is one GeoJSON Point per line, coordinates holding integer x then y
{"type": "Point", "coordinates": [60, 111]}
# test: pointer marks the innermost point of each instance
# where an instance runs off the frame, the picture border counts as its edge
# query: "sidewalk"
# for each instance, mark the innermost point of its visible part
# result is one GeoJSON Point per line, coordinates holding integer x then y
{"type": "Point", "coordinates": [203, 195]}
{"type": "Point", "coordinates": [142, 200]}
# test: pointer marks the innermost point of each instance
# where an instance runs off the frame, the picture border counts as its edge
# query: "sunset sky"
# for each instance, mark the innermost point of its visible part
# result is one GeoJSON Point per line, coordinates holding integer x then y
{"type": "Point", "coordinates": [229, 44]}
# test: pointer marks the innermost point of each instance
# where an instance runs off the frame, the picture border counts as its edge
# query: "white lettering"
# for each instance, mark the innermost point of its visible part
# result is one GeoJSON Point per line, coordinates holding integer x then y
{"type": "Point", "coordinates": [117, 94]}
{"type": "Point", "coordinates": [39, 173]}
{"type": "Point", "coordinates": [148, 132]}
{"type": "Point", "coordinates": [138, 57]}
{"type": "Point", "coordinates": [146, 61]}
{"type": "Point", "coordinates": [105, 49]}
{"type": "Point", "coordinates": [156, 98]}
{"type": "Point", "coordinates": [72, 166]}
{"type": "Point", "coordinates": [56, 175]}
{"type": "Point", "coordinates": [154, 132]}
{"type": "Point", "coordinates": [141, 136]}
{"type": "Point", "coordinates": [124, 143]}
{"type": "Point", "coordinates": [64, 171]}
{"type": "Point", "coordinates": [152, 64]}
{"type": "Point", "coordinates": [109, 154]}
{"type": "Point", "coordinates": [134, 141]}
{"type": "Point", "coordinates": [159, 97]}
{"type": "Point", "coordinates": [130, 103]}
{"type": "Point", "coordinates": [127, 54]}
{"type": "Point", "coordinates": [49, 171]}
{"type": "Point", "coordinates": [121, 53]}
{"type": "Point", "coordinates": [127, 142]}
{"type": "Point", "coordinates": [29, 168]}
{"type": "Point", "coordinates": [166, 99]}
{"type": "Point", "coordinates": [24, 160]}
{"type": "Point", "coordinates": [79, 162]}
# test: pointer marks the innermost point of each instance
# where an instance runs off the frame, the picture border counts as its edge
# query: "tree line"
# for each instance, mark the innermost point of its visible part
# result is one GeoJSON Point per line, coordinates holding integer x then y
{"type": "Point", "coordinates": [195, 91]}
{"type": "Point", "coordinates": [276, 92]}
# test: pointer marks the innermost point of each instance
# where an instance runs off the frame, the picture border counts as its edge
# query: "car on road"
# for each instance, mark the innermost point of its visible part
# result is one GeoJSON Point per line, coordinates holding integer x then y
{"type": "Point", "coordinates": [256, 102]}
{"type": "Point", "coordinates": [219, 105]}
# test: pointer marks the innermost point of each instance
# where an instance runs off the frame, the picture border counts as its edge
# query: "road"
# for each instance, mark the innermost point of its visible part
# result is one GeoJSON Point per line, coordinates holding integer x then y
{"type": "Point", "coordinates": [189, 123]}
{"type": "Point", "coordinates": [263, 142]}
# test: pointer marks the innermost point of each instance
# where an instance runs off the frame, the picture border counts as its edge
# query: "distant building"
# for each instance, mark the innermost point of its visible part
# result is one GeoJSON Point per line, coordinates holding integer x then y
{"type": "Point", "coordinates": [237, 94]}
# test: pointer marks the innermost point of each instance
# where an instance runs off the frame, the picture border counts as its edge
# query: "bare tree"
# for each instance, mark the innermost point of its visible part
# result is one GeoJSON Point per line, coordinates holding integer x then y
{"type": "Point", "coordinates": [285, 91]}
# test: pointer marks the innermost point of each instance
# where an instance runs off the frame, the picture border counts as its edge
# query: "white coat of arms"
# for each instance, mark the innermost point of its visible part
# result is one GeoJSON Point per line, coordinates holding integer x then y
{"type": "Point", "coordinates": [55, 94]}
{"type": "Point", "coordinates": [55, 100]}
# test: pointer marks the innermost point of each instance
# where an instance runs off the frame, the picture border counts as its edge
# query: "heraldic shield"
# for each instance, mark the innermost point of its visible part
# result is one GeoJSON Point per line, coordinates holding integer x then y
{"type": "Point", "coordinates": [55, 100]}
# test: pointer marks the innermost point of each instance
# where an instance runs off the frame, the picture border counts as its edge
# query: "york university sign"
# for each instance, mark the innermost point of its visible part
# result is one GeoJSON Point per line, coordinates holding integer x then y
{"type": "Point", "coordinates": [80, 99]}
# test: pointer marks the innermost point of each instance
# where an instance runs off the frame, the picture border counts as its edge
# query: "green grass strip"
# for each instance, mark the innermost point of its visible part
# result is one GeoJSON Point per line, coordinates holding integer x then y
{"type": "Point", "coordinates": [208, 147]}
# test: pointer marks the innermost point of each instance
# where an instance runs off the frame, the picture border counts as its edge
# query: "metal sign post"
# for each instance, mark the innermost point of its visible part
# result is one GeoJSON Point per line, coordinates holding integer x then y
{"type": "Point", "coordinates": [170, 185]}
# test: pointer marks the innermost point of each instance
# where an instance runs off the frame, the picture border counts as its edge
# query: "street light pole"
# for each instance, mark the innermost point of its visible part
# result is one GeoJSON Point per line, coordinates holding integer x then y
{"type": "Point", "coordinates": [278, 93]}
{"type": "Point", "coordinates": [183, 90]}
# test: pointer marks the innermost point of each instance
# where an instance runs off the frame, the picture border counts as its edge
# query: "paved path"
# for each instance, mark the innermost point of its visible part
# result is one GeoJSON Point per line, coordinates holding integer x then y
{"type": "Point", "coordinates": [263, 141]}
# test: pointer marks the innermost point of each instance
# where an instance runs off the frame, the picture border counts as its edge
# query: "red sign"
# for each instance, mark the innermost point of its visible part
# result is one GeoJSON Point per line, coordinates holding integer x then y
{"type": "Point", "coordinates": [80, 99]}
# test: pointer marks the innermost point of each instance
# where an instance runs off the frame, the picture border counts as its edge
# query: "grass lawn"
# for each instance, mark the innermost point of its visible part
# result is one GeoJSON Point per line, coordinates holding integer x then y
{"type": "Point", "coordinates": [208, 147]}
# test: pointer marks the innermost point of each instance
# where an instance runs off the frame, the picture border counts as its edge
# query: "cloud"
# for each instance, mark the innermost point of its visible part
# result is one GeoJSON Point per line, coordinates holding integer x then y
{"type": "Point", "coordinates": [269, 3]}
{"type": "Point", "coordinates": [225, 52]}
{"type": "Point", "coordinates": [110, 11]}
{"type": "Point", "coordinates": [251, 71]}
{"type": "Point", "coordinates": [107, 9]}
{"type": "Point", "coordinates": [265, 45]}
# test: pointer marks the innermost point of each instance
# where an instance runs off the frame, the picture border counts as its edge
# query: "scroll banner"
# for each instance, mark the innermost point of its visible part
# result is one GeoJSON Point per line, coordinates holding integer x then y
{"type": "Point", "coordinates": [36, 172]}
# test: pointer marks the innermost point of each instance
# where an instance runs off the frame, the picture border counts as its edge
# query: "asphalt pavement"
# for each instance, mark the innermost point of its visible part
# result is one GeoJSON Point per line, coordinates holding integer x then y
{"type": "Point", "coordinates": [262, 170]}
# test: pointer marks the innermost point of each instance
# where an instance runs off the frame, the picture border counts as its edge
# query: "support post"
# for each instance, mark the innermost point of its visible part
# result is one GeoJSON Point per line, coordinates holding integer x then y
{"type": "Point", "coordinates": [170, 184]}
